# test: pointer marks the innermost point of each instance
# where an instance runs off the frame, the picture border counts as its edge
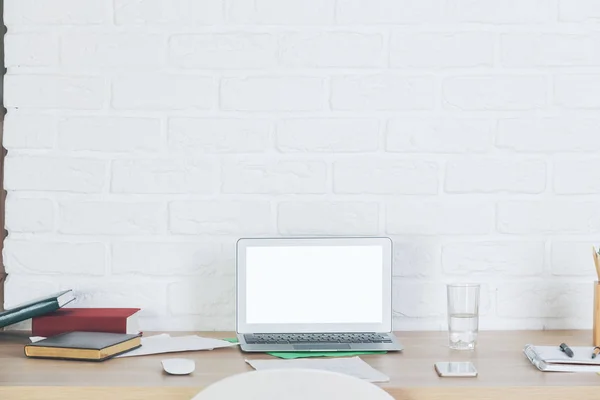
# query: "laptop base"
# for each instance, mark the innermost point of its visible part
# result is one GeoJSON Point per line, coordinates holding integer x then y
{"type": "Point", "coordinates": [392, 344]}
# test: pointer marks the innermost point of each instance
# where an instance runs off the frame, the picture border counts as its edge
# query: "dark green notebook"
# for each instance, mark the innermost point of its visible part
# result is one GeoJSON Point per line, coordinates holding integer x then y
{"type": "Point", "coordinates": [84, 346]}
{"type": "Point", "coordinates": [307, 354]}
{"type": "Point", "coordinates": [36, 307]}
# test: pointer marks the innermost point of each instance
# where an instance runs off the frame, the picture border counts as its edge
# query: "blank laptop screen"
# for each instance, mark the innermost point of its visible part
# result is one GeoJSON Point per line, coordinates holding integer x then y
{"type": "Point", "coordinates": [314, 284]}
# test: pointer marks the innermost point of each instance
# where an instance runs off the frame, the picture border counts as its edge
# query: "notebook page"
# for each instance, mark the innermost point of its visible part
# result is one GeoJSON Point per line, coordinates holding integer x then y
{"type": "Point", "coordinates": [553, 354]}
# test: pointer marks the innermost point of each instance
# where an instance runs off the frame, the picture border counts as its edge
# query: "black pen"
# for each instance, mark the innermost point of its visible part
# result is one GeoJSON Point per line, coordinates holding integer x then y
{"type": "Point", "coordinates": [566, 349]}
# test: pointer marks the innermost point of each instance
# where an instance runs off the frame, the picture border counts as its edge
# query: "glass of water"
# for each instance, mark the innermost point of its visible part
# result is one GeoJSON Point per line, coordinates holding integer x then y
{"type": "Point", "coordinates": [463, 315]}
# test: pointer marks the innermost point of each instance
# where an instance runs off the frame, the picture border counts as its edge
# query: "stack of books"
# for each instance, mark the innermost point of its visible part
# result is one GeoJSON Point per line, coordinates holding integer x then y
{"type": "Point", "coordinates": [91, 334]}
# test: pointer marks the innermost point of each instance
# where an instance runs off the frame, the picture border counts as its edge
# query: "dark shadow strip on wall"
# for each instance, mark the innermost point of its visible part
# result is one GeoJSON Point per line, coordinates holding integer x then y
{"type": "Point", "coordinates": [2, 154]}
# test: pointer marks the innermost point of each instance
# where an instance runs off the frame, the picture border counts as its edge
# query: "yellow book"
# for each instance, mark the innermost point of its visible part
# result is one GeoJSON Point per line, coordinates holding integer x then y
{"type": "Point", "coordinates": [86, 346]}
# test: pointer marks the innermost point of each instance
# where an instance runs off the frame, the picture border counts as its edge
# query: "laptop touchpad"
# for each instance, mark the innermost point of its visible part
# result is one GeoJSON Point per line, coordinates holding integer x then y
{"type": "Point", "coordinates": [321, 346]}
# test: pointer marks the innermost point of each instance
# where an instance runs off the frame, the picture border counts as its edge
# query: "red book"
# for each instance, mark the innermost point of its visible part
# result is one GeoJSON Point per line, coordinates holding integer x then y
{"type": "Point", "coordinates": [112, 320]}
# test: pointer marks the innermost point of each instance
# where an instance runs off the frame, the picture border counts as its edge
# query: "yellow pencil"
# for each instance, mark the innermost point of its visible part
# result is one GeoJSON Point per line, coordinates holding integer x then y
{"type": "Point", "coordinates": [596, 262]}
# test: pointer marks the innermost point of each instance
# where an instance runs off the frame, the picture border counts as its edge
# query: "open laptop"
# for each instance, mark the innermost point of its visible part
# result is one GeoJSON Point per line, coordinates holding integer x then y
{"type": "Point", "coordinates": [314, 294]}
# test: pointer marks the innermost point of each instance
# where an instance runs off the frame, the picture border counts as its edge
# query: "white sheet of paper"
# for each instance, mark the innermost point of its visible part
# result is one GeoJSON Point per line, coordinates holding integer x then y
{"type": "Point", "coordinates": [354, 366]}
{"type": "Point", "coordinates": [166, 344]}
{"type": "Point", "coordinates": [159, 336]}
{"type": "Point", "coordinates": [36, 338]}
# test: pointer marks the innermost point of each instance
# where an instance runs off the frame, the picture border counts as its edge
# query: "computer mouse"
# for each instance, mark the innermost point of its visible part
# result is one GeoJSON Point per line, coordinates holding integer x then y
{"type": "Point", "coordinates": [178, 366]}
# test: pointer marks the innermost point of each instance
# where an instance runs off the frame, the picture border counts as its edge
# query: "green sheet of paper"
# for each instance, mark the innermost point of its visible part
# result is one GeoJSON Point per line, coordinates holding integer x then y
{"type": "Point", "coordinates": [306, 354]}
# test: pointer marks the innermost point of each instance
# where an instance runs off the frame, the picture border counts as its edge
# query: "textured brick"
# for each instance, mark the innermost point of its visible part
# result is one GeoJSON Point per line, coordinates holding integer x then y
{"type": "Point", "coordinates": [275, 12]}
{"type": "Point", "coordinates": [173, 259]}
{"type": "Point", "coordinates": [490, 258]}
{"type": "Point", "coordinates": [219, 217]}
{"type": "Point", "coordinates": [111, 218]}
{"type": "Point", "coordinates": [569, 177]}
{"type": "Point", "coordinates": [416, 257]}
{"type": "Point", "coordinates": [577, 91]}
{"type": "Point", "coordinates": [205, 296]}
{"type": "Point", "coordinates": [223, 50]}
{"type": "Point", "coordinates": [109, 134]}
{"type": "Point", "coordinates": [23, 130]}
{"type": "Point", "coordinates": [549, 135]}
{"type": "Point", "coordinates": [579, 10]}
{"type": "Point", "coordinates": [442, 50]}
{"type": "Point", "coordinates": [275, 177]}
{"type": "Point", "coordinates": [174, 92]}
{"type": "Point", "coordinates": [332, 49]}
{"type": "Point", "coordinates": [345, 218]}
{"type": "Point", "coordinates": [54, 174]}
{"type": "Point", "coordinates": [385, 177]}
{"type": "Point", "coordinates": [439, 135]}
{"type": "Point", "coordinates": [389, 11]}
{"type": "Point", "coordinates": [419, 299]}
{"type": "Point", "coordinates": [223, 135]}
{"type": "Point", "coordinates": [47, 91]}
{"type": "Point", "coordinates": [486, 175]}
{"type": "Point", "coordinates": [548, 217]}
{"type": "Point", "coordinates": [139, 51]}
{"type": "Point", "coordinates": [62, 12]}
{"type": "Point", "coordinates": [549, 50]}
{"type": "Point", "coordinates": [30, 50]}
{"type": "Point", "coordinates": [573, 259]}
{"type": "Point", "coordinates": [434, 217]}
{"type": "Point", "coordinates": [515, 92]}
{"type": "Point", "coordinates": [168, 12]}
{"type": "Point", "coordinates": [503, 12]}
{"type": "Point", "coordinates": [54, 258]}
{"type": "Point", "coordinates": [545, 300]}
{"type": "Point", "coordinates": [272, 94]}
{"type": "Point", "coordinates": [382, 92]}
{"type": "Point", "coordinates": [164, 176]}
{"type": "Point", "coordinates": [28, 215]}
{"type": "Point", "coordinates": [323, 135]}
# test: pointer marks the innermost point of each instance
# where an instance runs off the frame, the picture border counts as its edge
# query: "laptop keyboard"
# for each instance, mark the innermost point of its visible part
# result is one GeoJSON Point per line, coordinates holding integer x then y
{"type": "Point", "coordinates": [295, 338]}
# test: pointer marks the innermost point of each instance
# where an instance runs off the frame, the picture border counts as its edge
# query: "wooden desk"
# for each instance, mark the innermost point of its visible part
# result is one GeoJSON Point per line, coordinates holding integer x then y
{"type": "Point", "coordinates": [504, 372]}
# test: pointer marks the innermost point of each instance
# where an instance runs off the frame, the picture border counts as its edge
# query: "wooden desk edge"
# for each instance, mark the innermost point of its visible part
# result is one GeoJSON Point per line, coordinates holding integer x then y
{"type": "Point", "coordinates": [408, 393]}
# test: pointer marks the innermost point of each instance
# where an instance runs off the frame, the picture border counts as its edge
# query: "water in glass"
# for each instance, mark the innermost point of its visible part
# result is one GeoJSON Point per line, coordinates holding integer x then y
{"type": "Point", "coordinates": [463, 331]}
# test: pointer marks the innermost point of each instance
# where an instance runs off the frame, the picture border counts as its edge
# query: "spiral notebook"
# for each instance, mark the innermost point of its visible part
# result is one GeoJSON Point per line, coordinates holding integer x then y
{"type": "Point", "coordinates": [552, 359]}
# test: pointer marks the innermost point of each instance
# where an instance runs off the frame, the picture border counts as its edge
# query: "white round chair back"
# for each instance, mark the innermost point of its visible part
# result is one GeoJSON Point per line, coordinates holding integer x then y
{"type": "Point", "coordinates": [292, 384]}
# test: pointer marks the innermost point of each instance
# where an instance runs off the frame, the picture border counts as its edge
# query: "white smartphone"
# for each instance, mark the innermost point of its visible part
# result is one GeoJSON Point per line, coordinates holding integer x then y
{"type": "Point", "coordinates": [456, 369]}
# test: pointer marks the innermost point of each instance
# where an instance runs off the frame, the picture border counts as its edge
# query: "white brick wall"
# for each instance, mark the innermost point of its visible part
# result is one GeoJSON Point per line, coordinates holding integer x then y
{"type": "Point", "coordinates": [109, 134]}
{"type": "Point", "coordinates": [123, 51]}
{"type": "Point", "coordinates": [167, 92]}
{"type": "Point", "coordinates": [494, 175]}
{"type": "Point", "coordinates": [239, 94]}
{"type": "Point", "coordinates": [381, 92]}
{"type": "Point", "coordinates": [32, 50]}
{"type": "Point", "coordinates": [163, 176]}
{"type": "Point", "coordinates": [52, 92]}
{"type": "Point", "coordinates": [43, 173]}
{"type": "Point", "coordinates": [145, 137]}
{"type": "Point", "coordinates": [442, 50]}
{"type": "Point", "coordinates": [223, 50]}
{"type": "Point", "coordinates": [220, 217]}
{"type": "Point", "coordinates": [205, 135]}
{"type": "Point", "coordinates": [491, 93]}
